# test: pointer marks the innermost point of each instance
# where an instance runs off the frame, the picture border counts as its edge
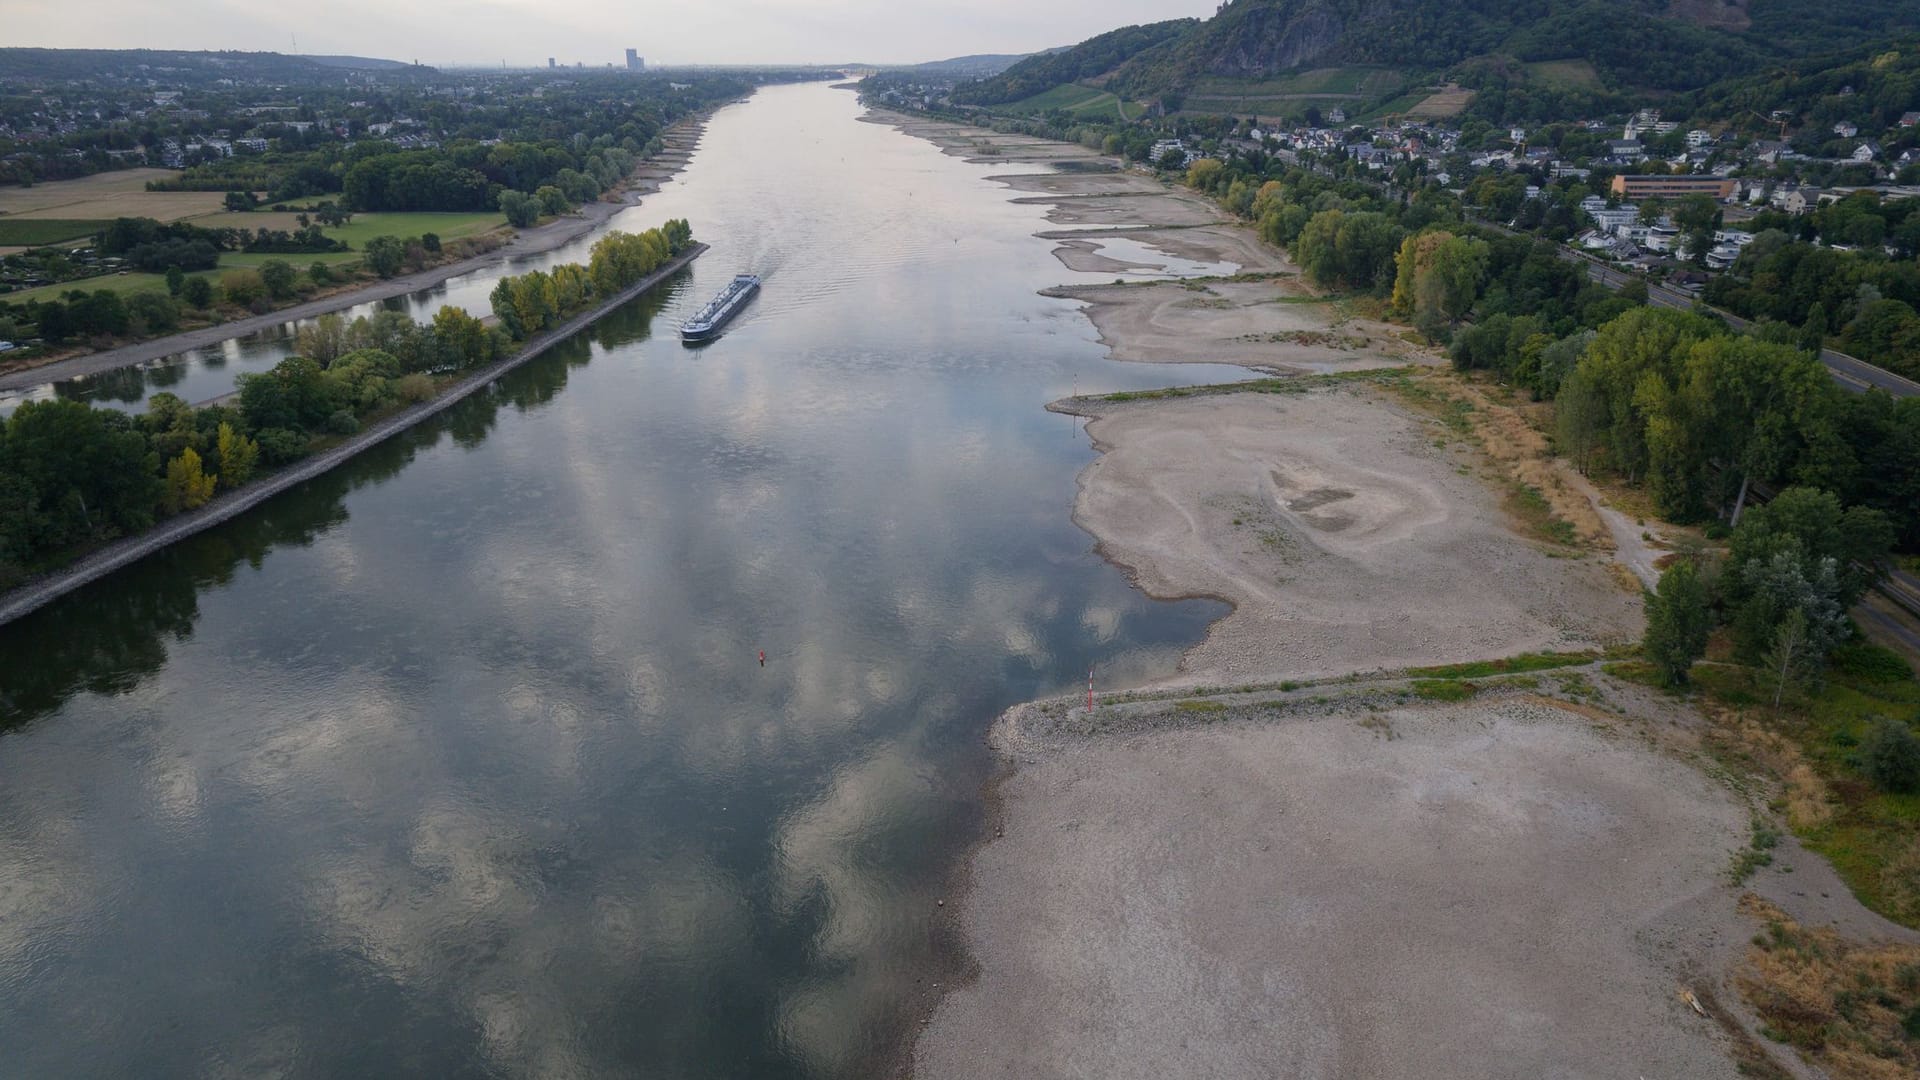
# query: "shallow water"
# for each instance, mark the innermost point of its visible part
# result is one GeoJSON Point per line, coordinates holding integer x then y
{"type": "Point", "coordinates": [459, 761]}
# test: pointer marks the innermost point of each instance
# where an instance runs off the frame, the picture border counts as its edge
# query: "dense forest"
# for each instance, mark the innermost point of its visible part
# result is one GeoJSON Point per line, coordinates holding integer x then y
{"type": "Point", "coordinates": [1089, 59]}
{"type": "Point", "coordinates": [1634, 45]}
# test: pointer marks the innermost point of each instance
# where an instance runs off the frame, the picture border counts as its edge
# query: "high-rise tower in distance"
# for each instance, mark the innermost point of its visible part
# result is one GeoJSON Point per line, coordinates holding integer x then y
{"type": "Point", "coordinates": [634, 61]}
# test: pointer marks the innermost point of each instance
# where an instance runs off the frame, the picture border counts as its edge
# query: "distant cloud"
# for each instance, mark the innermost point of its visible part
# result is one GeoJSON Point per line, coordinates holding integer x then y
{"type": "Point", "coordinates": [594, 32]}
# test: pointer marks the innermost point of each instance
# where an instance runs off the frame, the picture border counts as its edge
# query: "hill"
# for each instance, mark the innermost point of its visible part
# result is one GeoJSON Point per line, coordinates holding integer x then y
{"type": "Point", "coordinates": [980, 66]}
{"type": "Point", "coordinates": [178, 67]}
{"type": "Point", "coordinates": [1088, 60]}
{"type": "Point", "coordinates": [1629, 45]}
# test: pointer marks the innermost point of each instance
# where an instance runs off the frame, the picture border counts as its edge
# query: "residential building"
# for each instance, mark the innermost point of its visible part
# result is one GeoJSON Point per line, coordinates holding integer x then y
{"type": "Point", "coordinates": [1672, 187]}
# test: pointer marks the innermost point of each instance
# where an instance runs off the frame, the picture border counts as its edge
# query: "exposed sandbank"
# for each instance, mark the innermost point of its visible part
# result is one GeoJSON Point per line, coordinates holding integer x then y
{"type": "Point", "coordinates": [1252, 323]}
{"type": "Point", "coordinates": [1486, 890]}
{"type": "Point", "coordinates": [1345, 538]}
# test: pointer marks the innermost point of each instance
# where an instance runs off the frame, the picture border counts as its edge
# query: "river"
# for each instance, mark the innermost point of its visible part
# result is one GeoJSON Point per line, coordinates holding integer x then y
{"type": "Point", "coordinates": [461, 760]}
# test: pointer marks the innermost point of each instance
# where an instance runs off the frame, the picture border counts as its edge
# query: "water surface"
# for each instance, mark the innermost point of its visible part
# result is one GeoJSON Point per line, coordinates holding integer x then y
{"type": "Point", "coordinates": [460, 760]}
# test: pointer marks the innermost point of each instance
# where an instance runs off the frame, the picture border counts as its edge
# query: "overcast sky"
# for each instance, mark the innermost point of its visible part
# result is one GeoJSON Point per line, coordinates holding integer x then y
{"type": "Point", "coordinates": [525, 32]}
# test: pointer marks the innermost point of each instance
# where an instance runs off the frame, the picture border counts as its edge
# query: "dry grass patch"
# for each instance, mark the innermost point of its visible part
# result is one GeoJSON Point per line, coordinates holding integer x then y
{"type": "Point", "coordinates": [1540, 498]}
{"type": "Point", "coordinates": [1851, 1009]}
{"type": "Point", "coordinates": [1449, 100]}
{"type": "Point", "coordinates": [1805, 798]}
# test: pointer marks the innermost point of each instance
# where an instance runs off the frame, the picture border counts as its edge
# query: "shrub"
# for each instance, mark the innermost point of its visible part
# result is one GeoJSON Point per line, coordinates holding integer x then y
{"type": "Point", "coordinates": [414, 388]}
{"type": "Point", "coordinates": [343, 422]}
{"type": "Point", "coordinates": [1891, 757]}
{"type": "Point", "coordinates": [197, 292]}
{"type": "Point", "coordinates": [319, 273]}
{"type": "Point", "coordinates": [278, 275]}
{"type": "Point", "coordinates": [242, 287]}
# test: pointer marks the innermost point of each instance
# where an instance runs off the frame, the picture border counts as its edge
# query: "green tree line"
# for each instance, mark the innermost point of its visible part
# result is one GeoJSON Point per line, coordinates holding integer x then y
{"type": "Point", "coordinates": [528, 303]}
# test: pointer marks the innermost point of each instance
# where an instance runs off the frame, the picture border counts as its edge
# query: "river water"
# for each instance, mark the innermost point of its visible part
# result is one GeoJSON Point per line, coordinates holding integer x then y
{"type": "Point", "coordinates": [460, 760]}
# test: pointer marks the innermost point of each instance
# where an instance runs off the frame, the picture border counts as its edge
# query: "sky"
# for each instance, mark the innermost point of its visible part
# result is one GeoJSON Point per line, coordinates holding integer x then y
{"type": "Point", "coordinates": [526, 32]}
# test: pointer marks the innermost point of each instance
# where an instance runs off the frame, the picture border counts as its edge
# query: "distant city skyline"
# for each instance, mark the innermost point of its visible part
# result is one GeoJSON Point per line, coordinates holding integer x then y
{"type": "Point", "coordinates": [595, 33]}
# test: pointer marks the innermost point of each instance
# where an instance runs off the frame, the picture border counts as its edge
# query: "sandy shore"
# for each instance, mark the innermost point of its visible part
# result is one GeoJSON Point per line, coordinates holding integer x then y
{"type": "Point", "coordinates": [646, 180]}
{"type": "Point", "coordinates": [1252, 323]}
{"type": "Point", "coordinates": [1496, 890]}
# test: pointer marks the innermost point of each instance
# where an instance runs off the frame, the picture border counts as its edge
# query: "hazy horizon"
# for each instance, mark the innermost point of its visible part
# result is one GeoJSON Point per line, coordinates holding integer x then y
{"type": "Point", "coordinates": [595, 32]}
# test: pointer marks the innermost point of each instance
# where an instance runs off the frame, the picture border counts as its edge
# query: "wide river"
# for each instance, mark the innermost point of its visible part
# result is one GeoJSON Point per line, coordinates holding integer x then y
{"type": "Point", "coordinates": [461, 760]}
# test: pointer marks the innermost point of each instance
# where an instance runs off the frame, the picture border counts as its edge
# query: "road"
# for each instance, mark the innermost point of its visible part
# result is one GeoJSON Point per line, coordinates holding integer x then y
{"type": "Point", "coordinates": [1850, 372]}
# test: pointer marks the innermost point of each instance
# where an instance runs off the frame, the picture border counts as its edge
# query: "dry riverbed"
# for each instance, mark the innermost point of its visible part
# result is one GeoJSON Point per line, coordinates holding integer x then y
{"type": "Point", "coordinates": [1231, 875]}
{"type": "Point", "coordinates": [1346, 539]}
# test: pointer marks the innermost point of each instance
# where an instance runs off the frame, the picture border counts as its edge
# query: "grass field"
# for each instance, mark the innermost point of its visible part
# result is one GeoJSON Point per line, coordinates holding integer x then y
{"type": "Point", "coordinates": [299, 262]}
{"type": "Point", "coordinates": [106, 196]}
{"type": "Point", "coordinates": [1082, 101]}
{"type": "Point", "coordinates": [32, 232]}
{"type": "Point", "coordinates": [1397, 106]}
{"type": "Point", "coordinates": [1565, 74]}
{"type": "Point", "coordinates": [1445, 102]}
{"type": "Point", "coordinates": [363, 227]}
{"type": "Point", "coordinates": [119, 283]}
{"type": "Point", "coordinates": [1291, 94]}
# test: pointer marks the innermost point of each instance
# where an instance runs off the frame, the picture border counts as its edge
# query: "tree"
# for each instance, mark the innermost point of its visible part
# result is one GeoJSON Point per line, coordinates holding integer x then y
{"type": "Point", "coordinates": [1780, 594]}
{"type": "Point", "coordinates": [197, 292]}
{"type": "Point", "coordinates": [319, 274]}
{"type": "Point", "coordinates": [1437, 279]}
{"type": "Point", "coordinates": [1788, 658]}
{"type": "Point", "coordinates": [188, 486]}
{"type": "Point", "coordinates": [553, 201]}
{"type": "Point", "coordinates": [1812, 526]}
{"type": "Point", "coordinates": [522, 209]}
{"type": "Point", "coordinates": [323, 340]}
{"type": "Point", "coordinates": [176, 278]}
{"type": "Point", "coordinates": [278, 276]}
{"type": "Point", "coordinates": [238, 455]}
{"type": "Point", "coordinates": [1679, 620]}
{"type": "Point", "coordinates": [384, 255]}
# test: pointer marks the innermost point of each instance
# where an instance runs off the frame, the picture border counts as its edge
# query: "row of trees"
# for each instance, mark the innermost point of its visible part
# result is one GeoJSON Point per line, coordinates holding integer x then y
{"type": "Point", "coordinates": [529, 303]}
{"type": "Point", "coordinates": [73, 476]}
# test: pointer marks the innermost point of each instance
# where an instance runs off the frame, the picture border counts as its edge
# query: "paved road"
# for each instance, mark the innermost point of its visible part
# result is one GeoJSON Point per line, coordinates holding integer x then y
{"type": "Point", "coordinates": [1849, 371]}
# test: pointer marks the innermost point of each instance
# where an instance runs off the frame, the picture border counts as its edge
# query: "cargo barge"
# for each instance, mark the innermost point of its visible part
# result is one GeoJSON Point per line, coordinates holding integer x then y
{"type": "Point", "coordinates": [706, 322]}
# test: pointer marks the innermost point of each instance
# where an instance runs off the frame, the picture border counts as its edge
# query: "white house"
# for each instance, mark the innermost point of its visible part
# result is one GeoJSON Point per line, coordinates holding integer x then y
{"type": "Point", "coordinates": [1697, 138]}
{"type": "Point", "coordinates": [1866, 151]}
{"type": "Point", "coordinates": [1845, 130]}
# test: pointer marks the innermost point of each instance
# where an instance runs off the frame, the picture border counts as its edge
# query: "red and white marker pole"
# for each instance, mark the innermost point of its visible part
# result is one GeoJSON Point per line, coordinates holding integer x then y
{"type": "Point", "coordinates": [1089, 689]}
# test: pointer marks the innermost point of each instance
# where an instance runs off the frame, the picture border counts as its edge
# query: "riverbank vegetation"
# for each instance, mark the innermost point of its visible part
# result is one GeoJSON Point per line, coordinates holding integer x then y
{"type": "Point", "coordinates": [528, 303]}
{"type": "Point", "coordinates": [74, 477]}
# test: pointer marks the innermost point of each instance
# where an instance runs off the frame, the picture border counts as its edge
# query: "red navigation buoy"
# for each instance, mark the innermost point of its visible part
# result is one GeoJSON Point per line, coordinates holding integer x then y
{"type": "Point", "coordinates": [763, 658]}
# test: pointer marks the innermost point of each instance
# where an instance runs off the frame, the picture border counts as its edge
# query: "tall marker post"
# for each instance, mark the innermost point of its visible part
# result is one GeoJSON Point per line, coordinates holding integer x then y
{"type": "Point", "coordinates": [1089, 689]}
